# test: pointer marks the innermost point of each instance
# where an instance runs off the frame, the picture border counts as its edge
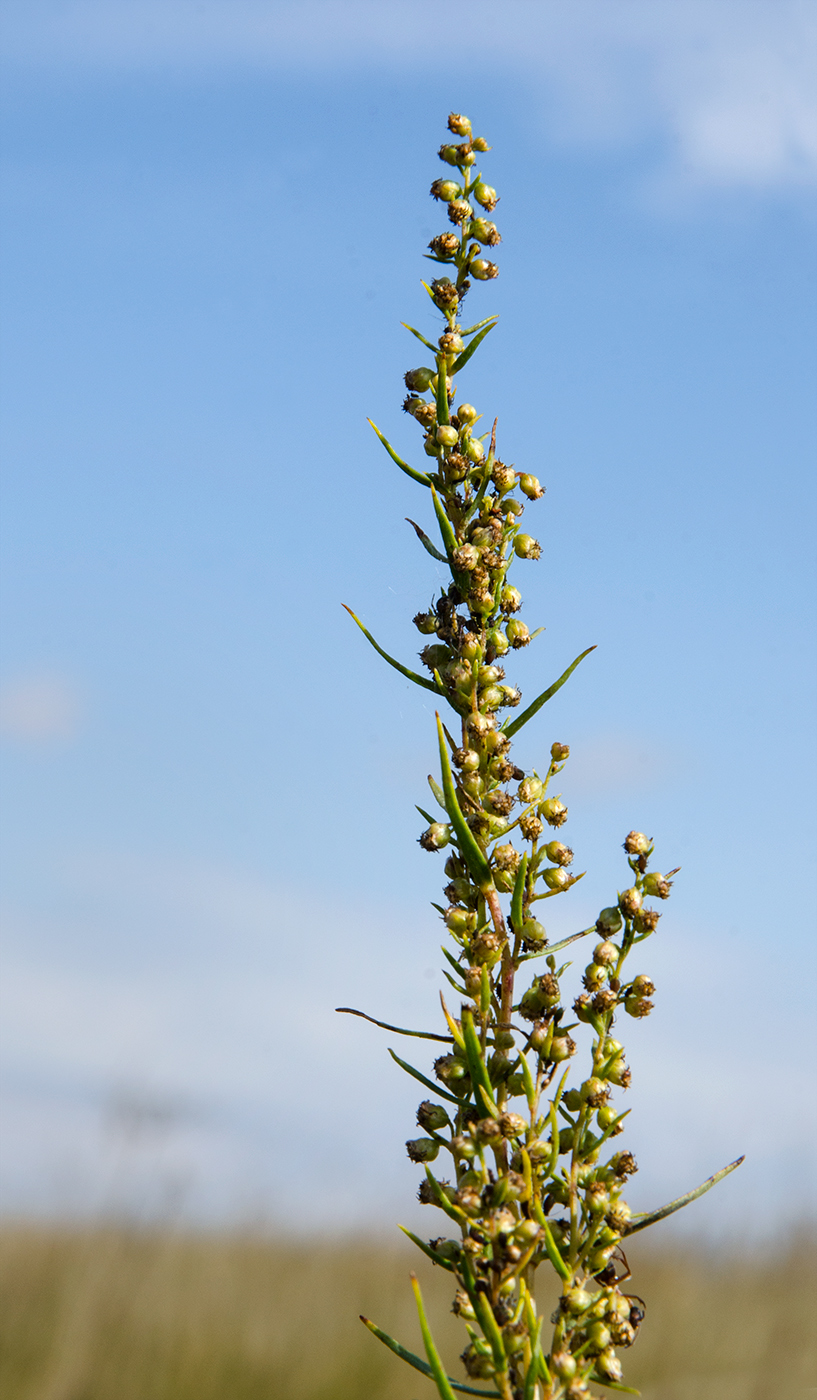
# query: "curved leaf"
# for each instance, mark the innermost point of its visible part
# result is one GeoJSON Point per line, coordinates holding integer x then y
{"type": "Point", "coordinates": [398, 665]}
{"type": "Point", "coordinates": [545, 696]}
{"type": "Point", "coordinates": [463, 358]}
{"type": "Point", "coordinates": [398, 1030]}
{"type": "Point", "coordinates": [640, 1222]}
{"type": "Point", "coordinates": [421, 1079]}
{"type": "Point", "coordinates": [472, 852]}
{"type": "Point", "coordinates": [415, 1361]}
{"type": "Point", "coordinates": [426, 542]}
{"type": "Point", "coordinates": [422, 477]}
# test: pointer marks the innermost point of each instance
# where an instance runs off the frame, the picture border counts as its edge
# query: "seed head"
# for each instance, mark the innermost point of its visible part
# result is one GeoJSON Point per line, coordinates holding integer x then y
{"type": "Point", "coordinates": [529, 486]}
{"type": "Point", "coordinates": [435, 837]}
{"type": "Point", "coordinates": [458, 211]}
{"type": "Point", "coordinates": [517, 633]}
{"type": "Point", "coordinates": [646, 920]}
{"type": "Point", "coordinates": [552, 809]}
{"type": "Point", "coordinates": [483, 270]}
{"type": "Point", "coordinates": [484, 232]}
{"type": "Point", "coordinates": [485, 195]}
{"type": "Point", "coordinates": [637, 844]}
{"type": "Point", "coordinates": [629, 902]}
{"type": "Point", "coordinates": [555, 851]}
{"type": "Point", "coordinates": [422, 1149]}
{"type": "Point", "coordinates": [459, 124]}
{"type": "Point", "coordinates": [418, 380]}
{"type": "Point", "coordinates": [446, 190]}
{"type": "Point", "coordinates": [432, 1116]}
{"type": "Point", "coordinates": [445, 245]}
{"type": "Point", "coordinates": [526, 547]}
{"type": "Point", "coordinates": [657, 885]}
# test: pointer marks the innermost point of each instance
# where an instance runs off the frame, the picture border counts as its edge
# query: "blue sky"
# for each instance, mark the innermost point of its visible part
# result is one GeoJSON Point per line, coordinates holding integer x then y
{"type": "Point", "coordinates": [214, 222]}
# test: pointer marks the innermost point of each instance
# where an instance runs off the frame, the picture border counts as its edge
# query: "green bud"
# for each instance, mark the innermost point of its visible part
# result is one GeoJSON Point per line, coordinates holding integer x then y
{"type": "Point", "coordinates": [643, 986]}
{"type": "Point", "coordinates": [598, 1336]}
{"type": "Point", "coordinates": [466, 759]}
{"type": "Point", "coordinates": [422, 1149]}
{"type": "Point", "coordinates": [474, 449]}
{"type": "Point", "coordinates": [564, 1364]}
{"type": "Point", "coordinates": [458, 211]}
{"type": "Point", "coordinates": [510, 599]}
{"type": "Point", "coordinates": [447, 436]}
{"type": "Point", "coordinates": [485, 195]}
{"type": "Point", "coordinates": [552, 809]}
{"type": "Point", "coordinates": [459, 124]}
{"type": "Point", "coordinates": [562, 1047]}
{"type": "Point", "coordinates": [557, 852]}
{"type": "Point", "coordinates": [432, 1116]}
{"type": "Point", "coordinates": [435, 656]}
{"type": "Point", "coordinates": [480, 144]}
{"type": "Point", "coordinates": [556, 878]}
{"type": "Point", "coordinates": [473, 784]}
{"type": "Point", "coordinates": [594, 977]}
{"type": "Point", "coordinates": [498, 642]}
{"type": "Point", "coordinates": [491, 697]}
{"type": "Point", "coordinates": [418, 379]}
{"type": "Point", "coordinates": [465, 155]}
{"type": "Point", "coordinates": [609, 1365]}
{"type": "Point", "coordinates": [484, 232]}
{"type": "Point", "coordinates": [657, 885]}
{"type": "Point", "coordinates": [513, 1125]}
{"type": "Point", "coordinates": [618, 1073]}
{"type": "Point", "coordinates": [637, 844]}
{"type": "Point", "coordinates": [451, 1070]}
{"type": "Point", "coordinates": [503, 477]}
{"type": "Point", "coordinates": [559, 752]}
{"type": "Point", "coordinates": [534, 933]}
{"type": "Point", "coordinates": [510, 506]}
{"type": "Point", "coordinates": [435, 837]}
{"type": "Point", "coordinates": [530, 790]}
{"type": "Point", "coordinates": [460, 921]}
{"type": "Point", "coordinates": [465, 1147]}
{"type": "Point", "coordinates": [517, 633]}
{"type": "Point", "coordinates": [483, 270]}
{"type": "Point", "coordinates": [465, 558]}
{"type": "Point", "coordinates": [609, 920]}
{"type": "Point", "coordinates": [448, 154]}
{"type": "Point", "coordinates": [470, 648]}
{"type": "Point", "coordinates": [426, 623]}
{"type": "Point", "coordinates": [526, 547]}
{"type": "Point", "coordinates": [467, 413]}
{"type": "Point", "coordinates": [530, 487]}
{"type": "Point", "coordinates": [637, 1006]}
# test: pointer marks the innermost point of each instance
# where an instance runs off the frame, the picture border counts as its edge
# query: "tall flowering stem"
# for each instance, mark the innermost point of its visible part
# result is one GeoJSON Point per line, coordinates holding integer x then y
{"type": "Point", "coordinates": [531, 1176]}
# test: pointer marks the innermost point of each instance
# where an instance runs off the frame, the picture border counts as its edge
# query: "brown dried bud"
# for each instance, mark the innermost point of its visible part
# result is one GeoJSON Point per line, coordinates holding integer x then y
{"type": "Point", "coordinates": [506, 858]}
{"type": "Point", "coordinates": [552, 809]}
{"type": "Point", "coordinates": [503, 477]}
{"type": "Point", "coordinates": [426, 415]}
{"type": "Point", "coordinates": [581, 1006]}
{"type": "Point", "coordinates": [465, 558]}
{"type": "Point", "coordinates": [459, 124]}
{"type": "Point", "coordinates": [451, 343]}
{"type": "Point", "coordinates": [646, 920]}
{"type": "Point", "coordinates": [458, 211]}
{"type": "Point", "coordinates": [638, 1006]}
{"type": "Point", "coordinates": [643, 986]}
{"type": "Point", "coordinates": [624, 1165]}
{"type": "Point", "coordinates": [486, 949]}
{"type": "Point", "coordinates": [499, 802]}
{"type": "Point", "coordinates": [531, 827]}
{"type": "Point", "coordinates": [637, 844]}
{"type": "Point", "coordinates": [432, 1116]}
{"type": "Point", "coordinates": [425, 1193]}
{"type": "Point", "coordinates": [512, 1125]}
{"type": "Point", "coordinates": [604, 1000]}
{"type": "Point", "coordinates": [445, 245]}
{"type": "Point", "coordinates": [456, 467]}
{"type": "Point", "coordinates": [488, 1130]}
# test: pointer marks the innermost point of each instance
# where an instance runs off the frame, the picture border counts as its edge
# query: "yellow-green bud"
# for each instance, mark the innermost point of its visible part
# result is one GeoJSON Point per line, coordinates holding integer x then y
{"type": "Point", "coordinates": [517, 633]}
{"type": "Point", "coordinates": [426, 623]}
{"type": "Point", "coordinates": [556, 878]}
{"type": "Point", "coordinates": [485, 195]}
{"type": "Point", "coordinates": [609, 1365]}
{"type": "Point", "coordinates": [459, 124]}
{"type": "Point", "coordinates": [464, 1146]}
{"type": "Point", "coordinates": [530, 487]}
{"type": "Point", "coordinates": [460, 921]}
{"type": "Point", "coordinates": [605, 953]}
{"type": "Point", "coordinates": [657, 885]}
{"type": "Point", "coordinates": [474, 450]}
{"type": "Point", "coordinates": [598, 1335]}
{"type": "Point", "coordinates": [629, 902]}
{"type": "Point", "coordinates": [480, 144]}
{"type": "Point", "coordinates": [447, 436]}
{"type": "Point", "coordinates": [418, 380]}
{"type": "Point", "coordinates": [577, 1300]}
{"type": "Point", "coordinates": [552, 809]}
{"type": "Point", "coordinates": [446, 190]}
{"type": "Point", "coordinates": [448, 154]}
{"type": "Point", "coordinates": [513, 1125]}
{"type": "Point", "coordinates": [559, 752]}
{"type": "Point", "coordinates": [484, 232]}
{"type": "Point", "coordinates": [561, 1048]}
{"type": "Point", "coordinates": [483, 270]}
{"type": "Point", "coordinates": [637, 844]}
{"type": "Point", "coordinates": [609, 920]}
{"type": "Point", "coordinates": [643, 986]}
{"type": "Point", "coordinates": [557, 852]}
{"type": "Point", "coordinates": [564, 1364]}
{"type": "Point", "coordinates": [534, 933]}
{"type": "Point", "coordinates": [526, 547]}
{"type": "Point", "coordinates": [499, 642]}
{"type": "Point", "coordinates": [467, 413]}
{"type": "Point", "coordinates": [458, 211]}
{"type": "Point", "coordinates": [530, 789]}
{"type": "Point", "coordinates": [435, 837]}
{"type": "Point", "coordinates": [510, 599]}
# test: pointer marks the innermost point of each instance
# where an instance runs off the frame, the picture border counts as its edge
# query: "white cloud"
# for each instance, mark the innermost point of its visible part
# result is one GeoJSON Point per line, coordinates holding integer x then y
{"type": "Point", "coordinates": [39, 709]}
{"type": "Point", "coordinates": [730, 83]}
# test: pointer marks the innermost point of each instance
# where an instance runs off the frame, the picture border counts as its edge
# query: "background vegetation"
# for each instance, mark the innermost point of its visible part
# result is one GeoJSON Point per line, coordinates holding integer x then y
{"type": "Point", "coordinates": [113, 1313]}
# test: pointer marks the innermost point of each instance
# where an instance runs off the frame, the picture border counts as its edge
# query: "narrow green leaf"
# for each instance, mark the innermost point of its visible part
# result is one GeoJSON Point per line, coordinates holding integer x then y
{"type": "Point", "coordinates": [426, 343]}
{"type": "Point", "coordinates": [476, 1065]}
{"type": "Point", "coordinates": [458, 987]}
{"type": "Point", "coordinates": [527, 1080]}
{"type": "Point", "coordinates": [640, 1222]}
{"type": "Point", "coordinates": [480, 324]}
{"type": "Point", "coordinates": [546, 695]}
{"type": "Point", "coordinates": [426, 815]}
{"type": "Point", "coordinates": [415, 1361]}
{"type": "Point", "coordinates": [553, 1253]}
{"type": "Point", "coordinates": [485, 991]}
{"type": "Point", "coordinates": [563, 942]}
{"type": "Point", "coordinates": [452, 1211]}
{"type": "Point", "coordinates": [426, 1248]}
{"type": "Point", "coordinates": [612, 1385]}
{"type": "Point", "coordinates": [426, 542]}
{"type": "Point", "coordinates": [398, 666]}
{"type": "Point", "coordinates": [422, 477]}
{"type": "Point", "coordinates": [463, 358]}
{"type": "Point", "coordinates": [440, 1378]}
{"type": "Point", "coordinates": [532, 1373]}
{"type": "Point", "coordinates": [518, 896]}
{"type": "Point", "coordinates": [438, 792]}
{"type": "Point", "coordinates": [472, 852]}
{"type": "Point", "coordinates": [442, 394]}
{"type": "Point", "coordinates": [446, 528]}
{"type": "Point", "coordinates": [457, 966]}
{"type": "Point", "coordinates": [421, 1079]}
{"type": "Point", "coordinates": [398, 1030]}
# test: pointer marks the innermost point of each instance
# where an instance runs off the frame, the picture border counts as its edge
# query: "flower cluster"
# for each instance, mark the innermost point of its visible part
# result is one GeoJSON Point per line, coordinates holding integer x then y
{"type": "Point", "coordinates": [531, 1177]}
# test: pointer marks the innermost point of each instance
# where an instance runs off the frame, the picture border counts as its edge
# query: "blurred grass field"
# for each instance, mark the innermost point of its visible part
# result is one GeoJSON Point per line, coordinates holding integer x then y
{"type": "Point", "coordinates": [122, 1314]}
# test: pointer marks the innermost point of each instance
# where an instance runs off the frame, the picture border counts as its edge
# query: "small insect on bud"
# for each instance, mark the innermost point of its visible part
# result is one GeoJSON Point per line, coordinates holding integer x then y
{"type": "Point", "coordinates": [558, 853]}
{"type": "Point", "coordinates": [425, 623]}
{"type": "Point", "coordinates": [657, 885]}
{"type": "Point", "coordinates": [458, 211]}
{"type": "Point", "coordinates": [526, 547]}
{"type": "Point", "coordinates": [605, 954]}
{"type": "Point", "coordinates": [637, 844]}
{"type": "Point", "coordinates": [485, 232]}
{"type": "Point", "coordinates": [552, 809]}
{"type": "Point", "coordinates": [446, 245]}
{"type": "Point", "coordinates": [418, 380]}
{"type": "Point", "coordinates": [609, 920]}
{"type": "Point", "coordinates": [435, 837]}
{"type": "Point", "coordinates": [447, 436]}
{"type": "Point", "coordinates": [422, 1149]}
{"type": "Point", "coordinates": [530, 487]}
{"type": "Point", "coordinates": [629, 902]}
{"type": "Point", "coordinates": [432, 1116]}
{"type": "Point", "coordinates": [534, 933]}
{"type": "Point", "coordinates": [517, 633]}
{"type": "Point", "coordinates": [484, 270]}
{"type": "Point", "coordinates": [485, 195]}
{"type": "Point", "coordinates": [531, 789]}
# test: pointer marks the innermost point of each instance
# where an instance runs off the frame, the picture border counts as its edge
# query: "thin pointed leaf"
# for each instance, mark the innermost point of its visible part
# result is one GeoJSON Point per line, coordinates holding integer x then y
{"type": "Point", "coordinates": [458, 967]}
{"type": "Point", "coordinates": [426, 343]}
{"type": "Point", "coordinates": [485, 991]}
{"type": "Point", "coordinates": [553, 1253]}
{"type": "Point", "coordinates": [398, 666]}
{"type": "Point", "coordinates": [426, 542]}
{"type": "Point", "coordinates": [533, 1370]}
{"type": "Point", "coordinates": [435, 1364]}
{"type": "Point", "coordinates": [518, 896]}
{"type": "Point", "coordinates": [640, 1222]}
{"type": "Point", "coordinates": [427, 1250]}
{"type": "Point", "coordinates": [415, 1361]}
{"type": "Point", "coordinates": [427, 817]}
{"type": "Point", "coordinates": [452, 1211]}
{"type": "Point", "coordinates": [422, 477]}
{"type": "Point", "coordinates": [476, 1065]}
{"type": "Point", "coordinates": [480, 324]}
{"type": "Point", "coordinates": [438, 792]}
{"type": "Point", "coordinates": [421, 1079]}
{"type": "Point", "coordinates": [446, 262]}
{"type": "Point", "coordinates": [442, 395]}
{"type": "Point", "coordinates": [452, 1025]}
{"type": "Point", "coordinates": [472, 852]}
{"type": "Point", "coordinates": [546, 695]}
{"type": "Point", "coordinates": [463, 358]}
{"type": "Point", "coordinates": [398, 1030]}
{"type": "Point", "coordinates": [477, 501]}
{"type": "Point", "coordinates": [446, 528]}
{"type": "Point", "coordinates": [456, 985]}
{"type": "Point", "coordinates": [612, 1385]}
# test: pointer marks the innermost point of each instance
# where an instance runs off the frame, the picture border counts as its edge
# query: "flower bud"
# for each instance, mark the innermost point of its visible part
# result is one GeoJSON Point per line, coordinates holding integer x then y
{"type": "Point", "coordinates": [605, 954]}
{"type": "Point", "coordinates": [638, 1006]}
{"type": "Point", "coordinates": [435, 837]}
{"type": "Point", "coordinates": [452, 1071]}
{"type": "Point", "coordinates": [426, 415]}
{"type": "Point", "coordinates": [604, 1000]}
{"type": "Point", "coordinates": [526, 547]}
{"type": "Point", "coordinates": [460, 921]}
{"type": "Point", "coordinates": [606, 1116]}
{"type": "Point", "coordinates": [458, 211]}
{"type": "Point", "coordinates": [512, 1125]}
{"type": "Point", "coordinates": [637, 844]}
{"type": "Point", "coordinates": [443, 290]}
{"type": "Point", "coordinates": [646, 920]}
{"type": "Point", "coordinates": [564, 1364]}
{"type": "Point", "coordinates": [451, 343]}
{"type": "Point", "coordinates": [530, 487]}
{"type": "Point", "coordinates": [486, 949]}
{"type": "Point", "coordinates": [559, 752]}
{"type": "Point", "coordinates": [530, 789]}
{"type": "Point", "coordinates": [657, 885]}
{"type": "Point", "coordinates": [594, 1092]}
{"type": "Point", "coordinates": [426, 623]}
{"type": "Point", "coordinates": [480, 144]}
{"type": "Point", "coordinates": [447, 436]}
{"type": "Point", "coordinates": [474, 449]}
{"type": "Point", "coordinates": [459, 124]}
{"type": "Point", "coordinates": [484, 232]}
{"type": "Point", "coordinates": [435, 656]}
{"type": "Point", "coordinates": [552, 809]}
{"type": "Point", "coordinates": [473, 784]}
{"type": "Point", "coordinates": [465, 155]}
{"type": "Point", "coordinates": [467, 413]}
{"type": "Point", "coordinates": [619, 1074]}
{"type": "Point", "coordinates": [466, 557]}
{"type": "Point", "coordinates": [491, 697]}
{"type": "Point", "coordinates": [446, 245]}
{"type": "Point", "coordinates": [510, 599]}
{"type": "Point", "coordinates": [643, 986]}
{"type": "Point", "coordinates": [466, 759]}
{"type": "Point", "coordinates": [446, 190]}
{"type": "Point", "coordinates": [609, 1365]}
{"type": "Point", "coordinates": [582, 1008]}
{"type": "Point", "coordinates": [594, 977]}
{"type": "Point", "coordinates": [488, 1130]}
{"type": "Point", "coordinates": [449, 154]}
{"type": "Point", "coordinates": [483, 270]}
{"type": "Point", "coordinates": [506, 858]}
{"type": "Point", "coordinates": [422, 1149]}
{"type": "Point", "coordinates": [558, 853]}
{"type": "Point", "coordinates": [556, 878]}
{"type": "Point", "coordinates": [629, 902]}
{"type": "Point", "coordinates": [511, 506]}
{"type": "Point", "coordinates": [498, 642]}
{"type": "Point", "coordinates": [517, 633]}
{"type": "Point", "coordinates": [597, 1198]}
{"type": "Point", "coordinates": [561, 1048]}
{"type": "Point", "coordinates": [609, 920]}
{"type": "Point", "coordinates": [464, 1146]}
{"type": "Point", "coordinates": [624, 1165]}
{"type": "Point", "coordinates": [418, 380]}
{"type": "Point", "coordinates": [432, 1116]}
{"type": "Point", "coordinates": [576, 1300]}
{"type": "Point", "coordinates": [485, 195]}
{"type": "Point", "coordinates": [534, 933]}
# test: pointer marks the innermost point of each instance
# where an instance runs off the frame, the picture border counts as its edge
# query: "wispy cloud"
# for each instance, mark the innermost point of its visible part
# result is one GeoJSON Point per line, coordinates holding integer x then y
{"type": "Point", "coordinates": [39, 709]}
{"type": "Point", "coordinates": [729, 84]}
